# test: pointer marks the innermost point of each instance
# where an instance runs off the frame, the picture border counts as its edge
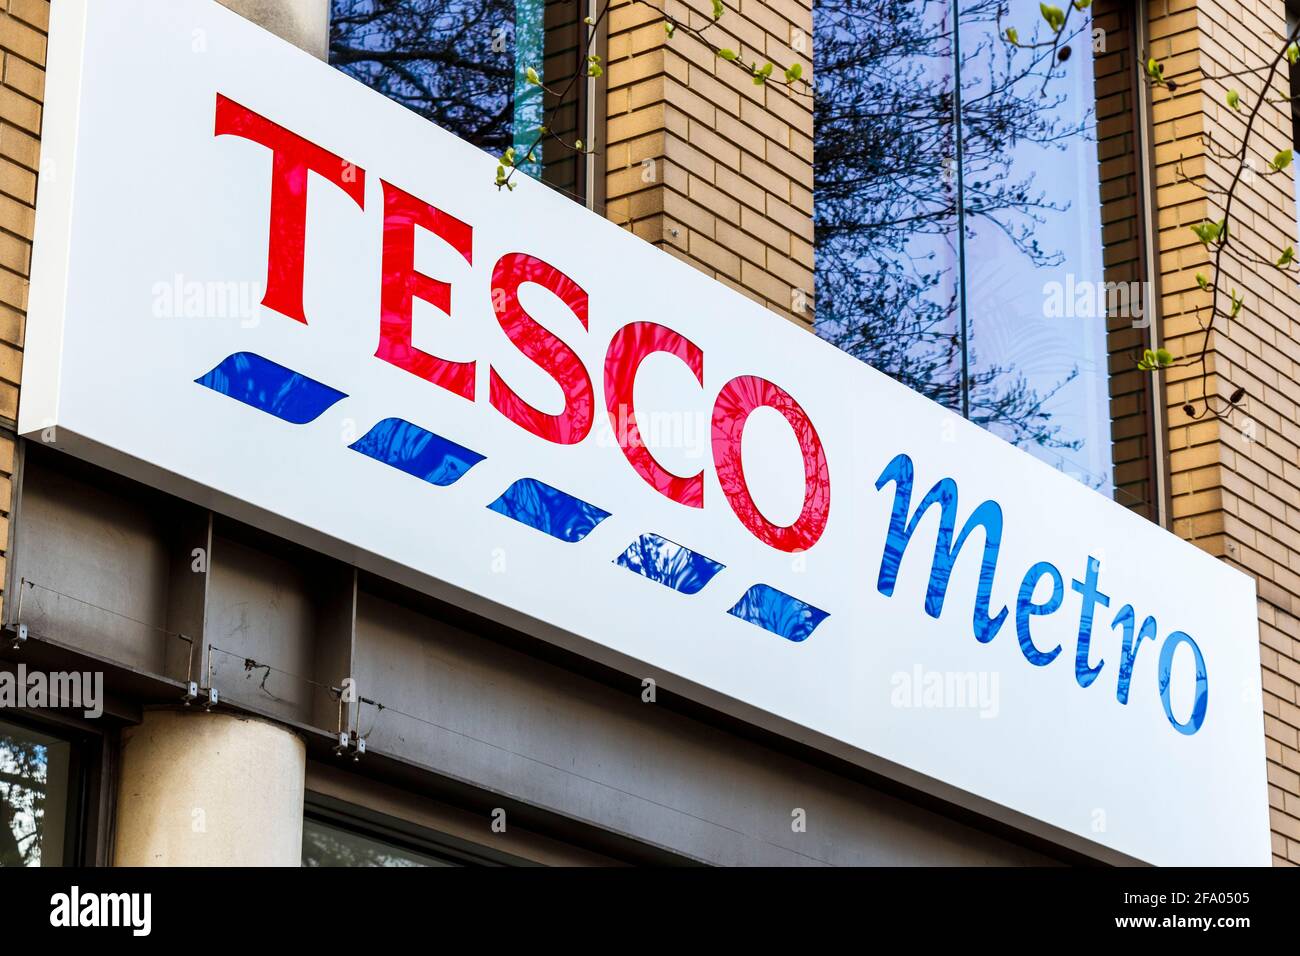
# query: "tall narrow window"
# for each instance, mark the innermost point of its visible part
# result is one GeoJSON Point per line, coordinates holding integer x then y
{"type": "Point", "coordinates": [1035, 303]}
{"type": "Point", "coordinates": [886, 185]}
{"type": "Point", "coordinates": [976, 210]}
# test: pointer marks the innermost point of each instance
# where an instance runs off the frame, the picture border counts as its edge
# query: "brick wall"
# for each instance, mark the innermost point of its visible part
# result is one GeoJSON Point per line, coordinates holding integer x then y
{"type": "Point", "coordinates": [704, 163]}
{"type": "Point", "coordinates": [1236, 488]}
{"type": "Point", "coordinates": [22, 80]}
{"type": "Point", "coordinates": [563, 168]}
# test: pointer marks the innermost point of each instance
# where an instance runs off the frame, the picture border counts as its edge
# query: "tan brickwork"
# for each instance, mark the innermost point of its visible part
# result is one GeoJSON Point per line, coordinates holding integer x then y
{"type": "Point", "coordinates": [704, 163]}
{"type": "Point", "coordinates": [564, 168]}
{"type": "Point", "coordinates": [1236, 488]}
{"type": "Point", "coordinates": [23, 26]}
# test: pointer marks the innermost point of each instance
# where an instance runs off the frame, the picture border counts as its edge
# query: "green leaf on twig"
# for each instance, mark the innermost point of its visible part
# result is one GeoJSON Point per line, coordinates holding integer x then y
{"type": "Point", "coordinates": [1054, 16]}
{"type": "Point", "coordinates": [717, 9]}
{"type": "Point", "coordinates": [1234, 100]}
{"type": "Point", "coordinates": [1207, 231]}
{"type": "Point", "coordinates": [1152, 360]}
{"type": "Point", "coordinates": [1281, 161]}
{"type": "Point", "coordinates": [794, 72]}
{"type": "Point", "coordinates": [1287, 257]}
{"type": "Point", "coordinates": [1202, 281]}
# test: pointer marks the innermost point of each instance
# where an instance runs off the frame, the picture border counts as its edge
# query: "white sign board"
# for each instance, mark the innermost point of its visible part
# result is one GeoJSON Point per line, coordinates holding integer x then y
{"type": "Point", "coordinates": [265, 287]}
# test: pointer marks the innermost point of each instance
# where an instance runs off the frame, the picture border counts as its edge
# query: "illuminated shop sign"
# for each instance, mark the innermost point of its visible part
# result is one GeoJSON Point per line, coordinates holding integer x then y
{"type": "Point", "coordinates": [266, 288]}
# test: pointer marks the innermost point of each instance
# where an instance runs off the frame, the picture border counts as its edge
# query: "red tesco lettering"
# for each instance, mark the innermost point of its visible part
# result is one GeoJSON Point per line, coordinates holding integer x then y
{"type": "Point", "coordinates": [294, 158]}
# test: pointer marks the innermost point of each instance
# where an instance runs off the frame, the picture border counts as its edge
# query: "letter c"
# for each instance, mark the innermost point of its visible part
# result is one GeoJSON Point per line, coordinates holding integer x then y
{"type": "Point", "coordinates": [630, 345]}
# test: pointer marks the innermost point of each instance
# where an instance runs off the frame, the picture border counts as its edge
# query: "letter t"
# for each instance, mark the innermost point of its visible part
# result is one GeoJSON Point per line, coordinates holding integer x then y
{"type": "Point", "coordinates": [1084, 674]}
{"type": "Point", "coordinates": [293, 158]}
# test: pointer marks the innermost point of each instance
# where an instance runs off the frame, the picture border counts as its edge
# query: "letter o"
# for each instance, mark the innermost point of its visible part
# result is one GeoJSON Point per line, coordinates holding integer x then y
{"type": "Point", "coordinates": [1202, 683]}
{"type": "Point", "coordinates": [731, 410]}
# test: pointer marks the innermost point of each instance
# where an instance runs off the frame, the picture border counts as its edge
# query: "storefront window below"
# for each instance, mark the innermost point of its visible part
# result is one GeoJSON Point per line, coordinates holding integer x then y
{"type": "Point", "coordinates": [34, 772]}
{"type": "Point", "coordinates": [325, 845]}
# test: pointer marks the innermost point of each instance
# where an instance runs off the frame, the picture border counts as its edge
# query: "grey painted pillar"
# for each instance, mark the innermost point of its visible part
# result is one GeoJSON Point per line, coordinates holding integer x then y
{"type": "Point", "coordinates": [209, 789]}
{"type": "Point", "coordinates": [304, 23]}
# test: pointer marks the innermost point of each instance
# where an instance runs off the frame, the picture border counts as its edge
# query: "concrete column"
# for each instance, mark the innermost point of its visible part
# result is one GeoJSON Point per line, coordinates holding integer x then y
{"type": "Point", "coordinates": [202, 789]}
{"type": "Point", "coordinates": [304, 23]}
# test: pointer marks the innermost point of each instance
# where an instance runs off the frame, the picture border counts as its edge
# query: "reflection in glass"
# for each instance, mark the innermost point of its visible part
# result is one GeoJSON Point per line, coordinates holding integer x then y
{"type": "Point", "coordinates": [325, 845]}
{"type": "Point", "coordinates": [973, 270]}
{"type": "Point", "coordinates": [451, 61]}
{"type": "Point", "coordinates": [1037, 334]}
{"type": "Point", "coordinates": [34, 772]}
{"type": "Point", "coordinates": [885, 187]}
{"type": "Point", "coordinates": [463, 64]}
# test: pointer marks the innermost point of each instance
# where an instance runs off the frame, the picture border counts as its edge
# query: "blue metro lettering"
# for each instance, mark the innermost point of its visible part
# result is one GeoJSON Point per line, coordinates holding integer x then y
{"type": "Point", "coordinates": [1025, 606]}
{"type": "Point", "coordinates": [1127, 618]}
{"type": "Point", "coordinates": [1084, 674]}
{"type": "Point", "coordinates": [988, 516]}
{"type": "Point", "coordinates": [1202, 683]}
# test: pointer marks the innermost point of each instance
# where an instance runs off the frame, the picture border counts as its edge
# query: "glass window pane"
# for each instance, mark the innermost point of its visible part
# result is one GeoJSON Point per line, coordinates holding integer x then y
{"type": "Point", "coordinates": [451, 61]}
{"type": "Point", "coordinates": [999, 275]}
{"type": "Point", "coordinates": [1037, 335]}
{"type": "Point", "coordinates": [34, 772]}
{"type": "Point", "coordinates": [326, 845]}
{"type": "Point", "coordinates": [885, 189]}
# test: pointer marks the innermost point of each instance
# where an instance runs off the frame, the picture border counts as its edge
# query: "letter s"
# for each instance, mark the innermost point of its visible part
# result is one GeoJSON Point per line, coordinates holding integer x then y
{"type": "Point", "coordinates": [549, 353]}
